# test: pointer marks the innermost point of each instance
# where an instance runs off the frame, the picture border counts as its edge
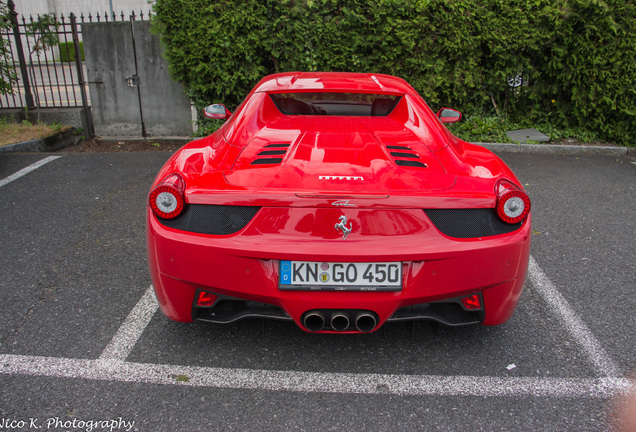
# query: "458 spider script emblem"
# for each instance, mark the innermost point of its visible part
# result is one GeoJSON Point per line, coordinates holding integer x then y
{"type": "Point", "coordinates": [342, 226]}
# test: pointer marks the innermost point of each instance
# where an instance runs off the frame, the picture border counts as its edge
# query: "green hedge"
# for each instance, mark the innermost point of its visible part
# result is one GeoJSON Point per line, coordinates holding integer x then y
{"type": "Point", "coordinates": [67, 51]}
{"type": "Point", "coordinates": [577, 58]}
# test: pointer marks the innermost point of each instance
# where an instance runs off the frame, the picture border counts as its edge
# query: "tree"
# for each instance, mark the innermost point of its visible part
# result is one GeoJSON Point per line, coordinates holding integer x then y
{"type": "Point", "coordinates": [8, 77]}
{"type": "Point", "coordinates": [43, 30]}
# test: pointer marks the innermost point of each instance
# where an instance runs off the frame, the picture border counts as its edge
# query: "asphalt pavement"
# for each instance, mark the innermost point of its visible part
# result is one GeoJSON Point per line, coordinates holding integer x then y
{"type": "Point", "coordinates": [83, 346]}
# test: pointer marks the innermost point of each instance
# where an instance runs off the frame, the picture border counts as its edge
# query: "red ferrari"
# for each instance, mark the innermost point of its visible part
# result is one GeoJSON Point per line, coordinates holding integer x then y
{"type": "Point", "coordinates": [339, 201]}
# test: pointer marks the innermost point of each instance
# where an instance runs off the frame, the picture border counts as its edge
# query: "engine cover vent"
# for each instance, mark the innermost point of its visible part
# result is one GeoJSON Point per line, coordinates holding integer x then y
{"type": "Point", "coordinates": [405, 156]}
{"type": "Point", "coordinates": [272, 154]}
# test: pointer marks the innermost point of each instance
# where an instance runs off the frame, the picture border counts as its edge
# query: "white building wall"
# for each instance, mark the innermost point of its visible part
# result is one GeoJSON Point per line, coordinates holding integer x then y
{"type": "Point", "coordinates": [65, 7]}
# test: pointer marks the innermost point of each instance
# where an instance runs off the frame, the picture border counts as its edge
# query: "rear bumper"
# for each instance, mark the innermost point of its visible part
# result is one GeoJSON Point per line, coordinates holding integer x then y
{"type": "Point", "coordinates": [244, 267]}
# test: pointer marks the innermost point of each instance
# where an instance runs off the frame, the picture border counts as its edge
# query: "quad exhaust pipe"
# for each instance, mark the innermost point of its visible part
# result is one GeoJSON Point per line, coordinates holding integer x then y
{"type": "Point", "coordinates": [365, 322]}
{"type": "Point", "coordinates": [314, 321]}
{"type": "Point", "coordinates": [340, 320]}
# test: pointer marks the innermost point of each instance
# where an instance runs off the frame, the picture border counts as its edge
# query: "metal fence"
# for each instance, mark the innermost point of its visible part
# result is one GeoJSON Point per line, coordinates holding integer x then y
{"type": "Point", "coordinates": [49, 76]}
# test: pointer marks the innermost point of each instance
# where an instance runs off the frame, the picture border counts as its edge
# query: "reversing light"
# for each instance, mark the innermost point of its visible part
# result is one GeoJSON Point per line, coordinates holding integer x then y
{"type": "Point", "coordinates": [166, 199]}
{"type": "Point", "coordinates": [513, 205]}
{"type": "Point", "coordinates": [205, 298]}
{"type": "Point", "coordinates": [472, 302]}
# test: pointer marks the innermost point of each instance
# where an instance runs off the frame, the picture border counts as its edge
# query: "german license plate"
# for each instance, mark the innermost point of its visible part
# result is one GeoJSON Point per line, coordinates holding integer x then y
{"type": "Point", "coordinates": [334, 276]}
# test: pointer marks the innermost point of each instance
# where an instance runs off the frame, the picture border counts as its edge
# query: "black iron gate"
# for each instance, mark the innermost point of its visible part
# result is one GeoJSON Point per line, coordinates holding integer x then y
{"type": "Point", "coordinates": [47, 76]}
{"type": "Point", "coordinates": [122, 74]}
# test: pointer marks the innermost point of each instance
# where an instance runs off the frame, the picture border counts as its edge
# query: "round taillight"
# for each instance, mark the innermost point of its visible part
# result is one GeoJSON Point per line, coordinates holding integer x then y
{"type": "Point", "coordinates": [166, 199]}
{"type": "Point", "coordinates": [513, 205]}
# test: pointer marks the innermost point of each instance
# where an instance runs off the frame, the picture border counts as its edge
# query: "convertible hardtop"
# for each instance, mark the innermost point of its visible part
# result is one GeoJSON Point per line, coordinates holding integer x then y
{"type": "Point", "coordinates": [333, 81]}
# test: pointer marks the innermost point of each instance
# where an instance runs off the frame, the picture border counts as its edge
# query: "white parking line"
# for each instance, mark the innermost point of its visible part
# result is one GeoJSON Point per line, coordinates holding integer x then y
{"type": "Point", "coordinates": [311, 382]}
{"type": "Point", "coordinates": [575, 326]}
{"type": "Point", "coordinates": [130, 331]}
{"type": "Point", "coordinates": [111, 366]}
{"type": "Point", "coordinates": [27, 170]}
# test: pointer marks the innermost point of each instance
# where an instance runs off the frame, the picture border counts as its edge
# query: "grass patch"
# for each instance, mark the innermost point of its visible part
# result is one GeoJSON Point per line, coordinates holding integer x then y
{"type": "Point", "coordinates": [11, 133]}
{"type": "Point", "coordinates": [484, 128]}
{"type": "Point", "coordinates": [182, 378]}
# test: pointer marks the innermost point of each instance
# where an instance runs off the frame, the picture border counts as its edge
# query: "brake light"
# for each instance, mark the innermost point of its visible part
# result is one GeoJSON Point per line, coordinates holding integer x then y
{"type": "Point", "coordinates": [513, 205]}
{"type": "Point", "coordinates": [472, 302]}
{"type": "Point", "coordinates": [167, 198]}
{"type": "Point", "coordinates": [205, 299]}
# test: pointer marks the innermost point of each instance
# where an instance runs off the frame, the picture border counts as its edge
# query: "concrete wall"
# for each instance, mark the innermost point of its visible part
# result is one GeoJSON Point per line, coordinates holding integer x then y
{"type": "Point", "coordinates": [167, 110]}
{"type": "Point", "coordinates": [110, 60]}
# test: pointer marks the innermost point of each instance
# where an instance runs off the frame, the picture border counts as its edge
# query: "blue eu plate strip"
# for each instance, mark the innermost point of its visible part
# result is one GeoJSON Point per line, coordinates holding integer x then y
{"type": "Point", "coordinates": [285, 272]}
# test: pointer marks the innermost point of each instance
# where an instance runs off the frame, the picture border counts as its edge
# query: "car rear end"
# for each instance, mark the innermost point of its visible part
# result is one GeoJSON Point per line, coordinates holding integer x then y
{"type": "Point", "coordinates": [339, 222]}
{"type": "Point", "coordinates": [457, 266]}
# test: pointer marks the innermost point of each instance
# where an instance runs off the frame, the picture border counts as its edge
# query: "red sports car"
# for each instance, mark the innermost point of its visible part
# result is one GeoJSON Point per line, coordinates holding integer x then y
{"type": "Point", "coordinates": [339, 201]}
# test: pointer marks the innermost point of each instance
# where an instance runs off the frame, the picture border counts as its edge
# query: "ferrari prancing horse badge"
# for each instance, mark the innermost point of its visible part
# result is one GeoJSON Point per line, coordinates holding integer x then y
{"type": "Point", "coordinates": [342, 226]}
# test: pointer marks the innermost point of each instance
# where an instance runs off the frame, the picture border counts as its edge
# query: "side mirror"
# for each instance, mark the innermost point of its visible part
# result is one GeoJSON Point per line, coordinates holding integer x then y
{"type": "Point", "coordinates": [449, 115]}
{"type": "Point", "coordinates": [217, 111]}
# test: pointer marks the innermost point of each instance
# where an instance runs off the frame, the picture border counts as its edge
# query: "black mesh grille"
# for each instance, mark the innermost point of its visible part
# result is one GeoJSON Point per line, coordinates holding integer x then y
{"type": "Point", "coordinates": [469, 223]}
{"type": "Point", "coordinates": [410, 163]}
{"type": "Point", "coordinates": [211, 219]}
{"type": "Point", "coordinates": [267, 161]}
{"type": "Point", "coordinates": [272, 152]}
{"type": "Point", "coordinates": [404, 155]}
{"type": "Point", "coordinates": [407, 155]}
{"type": "Point", "coordinates": [269, 157]}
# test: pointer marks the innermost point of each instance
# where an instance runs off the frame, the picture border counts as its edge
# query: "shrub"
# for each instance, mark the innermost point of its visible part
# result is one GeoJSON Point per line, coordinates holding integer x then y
{"type": "Point", "coordinates": [67, 51]}
{"type": "Point", "coordinates": [575, 60]}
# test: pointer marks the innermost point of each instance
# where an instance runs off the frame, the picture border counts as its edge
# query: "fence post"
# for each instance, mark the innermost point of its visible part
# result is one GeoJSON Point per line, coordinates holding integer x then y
{"type": "Point", "coordinates": [141, 111]}
{"type": "Point", "coordinates": [82, 83]}
{"type": "Point", "coordinates": [28, 96]}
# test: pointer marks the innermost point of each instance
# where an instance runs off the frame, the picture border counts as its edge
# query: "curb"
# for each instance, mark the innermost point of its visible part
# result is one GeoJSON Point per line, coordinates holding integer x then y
{"type": "Point", "coordinates": [52, 143]}
{"type": "Point", "coordinates": [557, 149]}
{"type": "Point", "coordinates": [136, 138]}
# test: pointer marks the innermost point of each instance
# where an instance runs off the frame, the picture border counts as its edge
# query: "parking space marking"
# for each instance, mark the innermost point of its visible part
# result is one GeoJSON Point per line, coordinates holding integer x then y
{"type": "Point", "coordinates": [311, 382]}
{"type": "Point", "coordinates": [130, 331]}
{"type": "Point", "coordinates": [25, 171]}
{"type": "Point", "coordinates": [579, 332]}
{"type": "Point", "coordinates": [112, 366]}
